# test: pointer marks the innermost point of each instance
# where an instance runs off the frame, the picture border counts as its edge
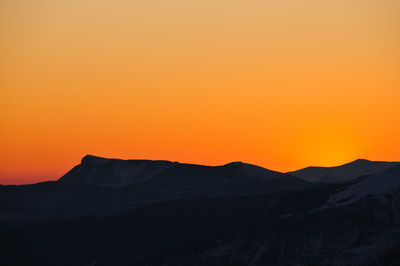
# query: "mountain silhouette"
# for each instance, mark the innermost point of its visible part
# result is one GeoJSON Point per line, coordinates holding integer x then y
{"type": "Point", "coordinates": [116, 172]}
{"type": "Point", "coordinates": [378, 184]}
{"type": "Point", "coordinates": [342, 173]}
{"type": "Point", "coordinates": [144, 212]}
{"type": "Point", "coordinates": [102, 187]}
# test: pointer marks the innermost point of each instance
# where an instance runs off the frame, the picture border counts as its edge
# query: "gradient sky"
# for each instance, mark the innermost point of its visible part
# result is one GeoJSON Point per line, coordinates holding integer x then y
{"type": "Point", "coordinates": [283, 84]}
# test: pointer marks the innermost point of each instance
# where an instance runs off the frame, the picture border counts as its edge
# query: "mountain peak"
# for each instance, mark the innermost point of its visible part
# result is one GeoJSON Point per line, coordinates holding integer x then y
{"type": "Point", "coordinates": [238, 163]}
{"type": "Point", "coordinates": [91, 159]}
{"type": "Point", "coordinates": [358, 161]}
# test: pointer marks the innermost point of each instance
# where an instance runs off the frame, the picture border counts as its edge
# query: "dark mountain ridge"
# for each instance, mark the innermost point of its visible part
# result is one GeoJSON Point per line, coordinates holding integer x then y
{"type": "Point", "coordinates": [116, 172]}
{"type": "Point", "coordinates": [342, 173]}
{"type": "Point", "coordinates": [101, 187]}
{"type": "Point", "coordinates": [167, 213]}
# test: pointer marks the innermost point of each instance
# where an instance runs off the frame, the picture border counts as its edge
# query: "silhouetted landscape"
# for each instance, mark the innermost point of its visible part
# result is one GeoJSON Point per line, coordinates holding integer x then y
{"type": "Point", "coordinates": [199, 133]}
{"type": "Point", "coordinates": [143, 212]}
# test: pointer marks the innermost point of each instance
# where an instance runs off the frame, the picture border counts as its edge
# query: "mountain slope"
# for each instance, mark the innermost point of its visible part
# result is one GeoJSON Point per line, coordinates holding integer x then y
{"type": "Point", "coordinates": [275, 229]}
{"type": "Point", "coordinates": [344, 172]}
{"type": "Point", "coordinates": [378, 184]}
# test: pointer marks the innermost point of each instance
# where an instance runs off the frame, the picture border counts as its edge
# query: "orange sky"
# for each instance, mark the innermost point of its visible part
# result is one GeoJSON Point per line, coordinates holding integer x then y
{"type": "Point", "coordinates": [282, 84]}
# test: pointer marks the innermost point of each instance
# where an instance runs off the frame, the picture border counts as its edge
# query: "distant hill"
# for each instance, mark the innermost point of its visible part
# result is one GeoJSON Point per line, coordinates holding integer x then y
{"type": "Point", "coordinates": [343, 173]}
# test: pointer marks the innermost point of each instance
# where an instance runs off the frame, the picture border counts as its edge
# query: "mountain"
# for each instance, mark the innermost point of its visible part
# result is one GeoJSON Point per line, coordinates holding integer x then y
{"type": "Point", "coordinates": [178, 179]}
{"type": "Point", "coordinates": [99, 187]}
{"type": "Point", "coordinates": [342, 173]}
{"type": "Point", "coordinates": [378, 184]}
{"type": "Point", "coordinates": [282, 228]}
{"type": "Point", "coordinates": [142, 212]}
{"type": "Point", "coordinates": [114, 172]}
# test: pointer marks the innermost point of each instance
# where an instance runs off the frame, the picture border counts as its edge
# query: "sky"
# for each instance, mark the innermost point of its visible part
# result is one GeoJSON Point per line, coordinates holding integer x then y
{"type": "Point", "coordinates": [282, 84]}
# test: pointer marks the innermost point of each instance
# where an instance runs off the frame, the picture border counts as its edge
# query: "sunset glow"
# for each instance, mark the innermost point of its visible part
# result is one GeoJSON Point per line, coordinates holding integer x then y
{"type": "Point", "coordinates": [281, 84]}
